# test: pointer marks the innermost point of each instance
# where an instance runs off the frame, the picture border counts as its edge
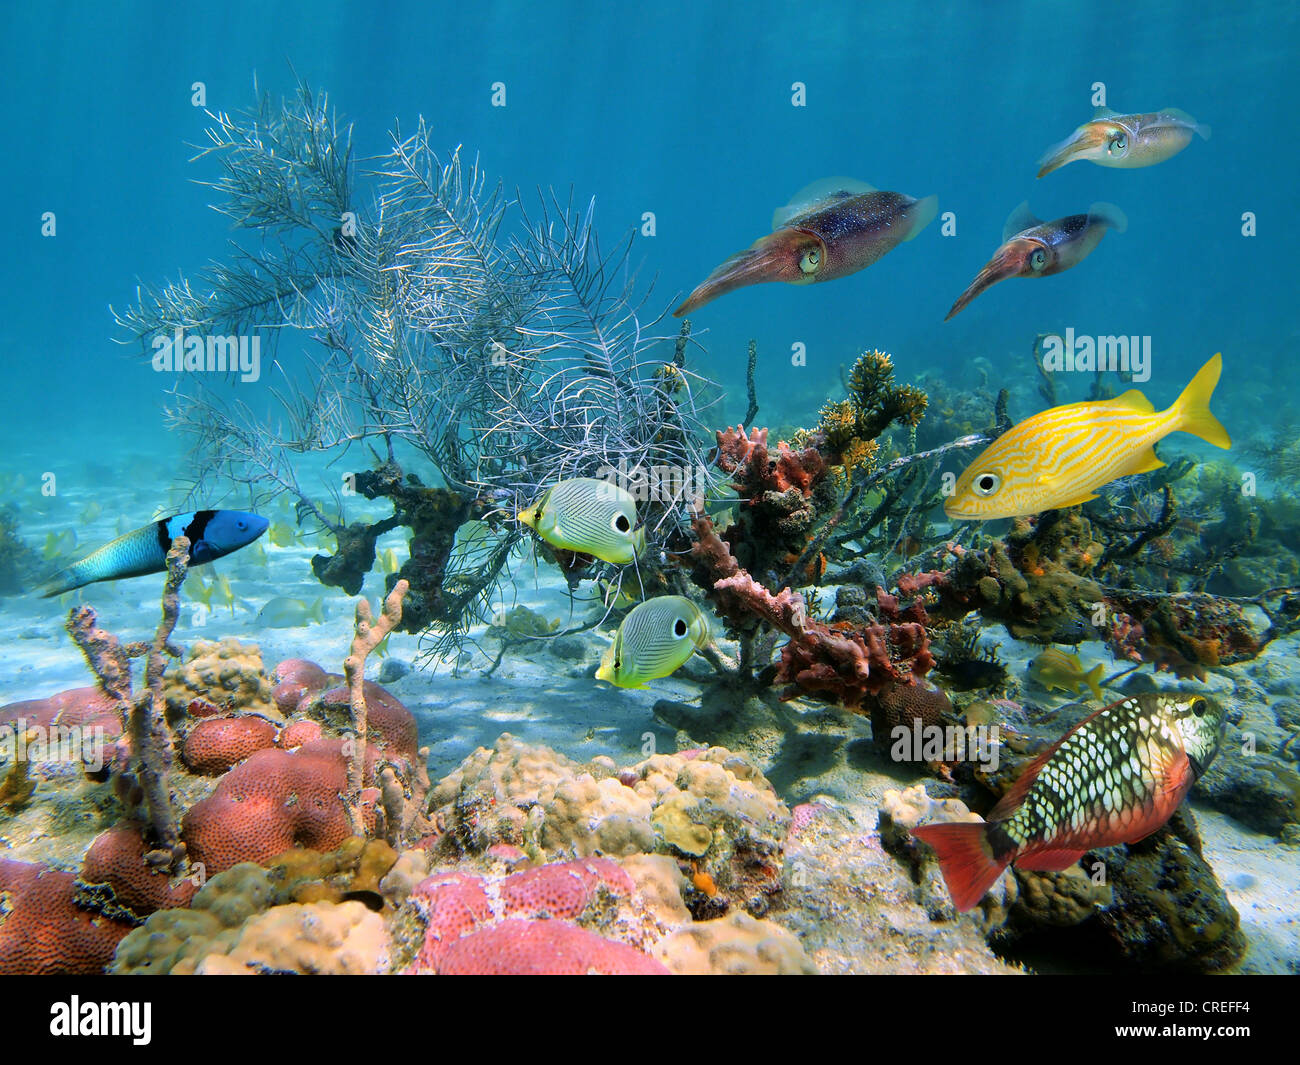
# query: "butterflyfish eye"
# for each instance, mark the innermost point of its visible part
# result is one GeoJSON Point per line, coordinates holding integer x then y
{"type": "Point", "coordinates": [679, 628]}
{"type": "Point", "coordinates": [621, 523]}
{"type": "Point", "coordinates": [1038, 259]}
{"type": "Point", "coordinates": [987, 483]}
{"type": "Point", "coordinates": [811, 261]}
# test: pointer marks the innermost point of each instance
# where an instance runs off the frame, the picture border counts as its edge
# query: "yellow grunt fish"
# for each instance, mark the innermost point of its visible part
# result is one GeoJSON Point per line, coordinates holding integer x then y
{"type": "Point", "coordinates": [1057, 670]}
{"type": "Point", "coordinates": [1127, 141]}
{"type": "Point", "coordinates": [1060, 457]}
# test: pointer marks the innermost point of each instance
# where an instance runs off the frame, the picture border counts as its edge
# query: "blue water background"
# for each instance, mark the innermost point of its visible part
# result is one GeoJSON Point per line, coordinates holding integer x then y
{"type": "Point", "coordinates": [683, 109]}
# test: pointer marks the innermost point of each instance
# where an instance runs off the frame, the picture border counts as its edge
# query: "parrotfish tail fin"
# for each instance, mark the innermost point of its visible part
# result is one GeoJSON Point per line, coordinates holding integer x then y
{"type": "Point", "coordinates": [1193, 406]}
{"type": "Point", "coordinates": [1093, 679]}
{"type": "Point", "coordinates": [966, 860]}
{"type": "Point", "coordinates": [923, 212]}
{"type": "Point", "coordinates": [1109, 214]}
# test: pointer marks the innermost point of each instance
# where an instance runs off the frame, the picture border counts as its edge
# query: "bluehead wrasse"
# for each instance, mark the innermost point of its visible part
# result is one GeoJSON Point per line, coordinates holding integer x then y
{"type": "Point", "coordinates": [212, 535]}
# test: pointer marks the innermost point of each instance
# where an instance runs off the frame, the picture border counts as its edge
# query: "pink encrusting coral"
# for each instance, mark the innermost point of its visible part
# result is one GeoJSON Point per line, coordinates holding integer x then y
{"type": "Point", "coordinates": [523, 923]}
{"type": "Point", "coordinates": [518, 947]}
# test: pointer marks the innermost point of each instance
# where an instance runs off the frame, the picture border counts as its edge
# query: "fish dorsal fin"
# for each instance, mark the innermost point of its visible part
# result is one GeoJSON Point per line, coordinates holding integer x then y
{"type": "Point", "coordinates": [819, 192]}
{"type": "Point", "coordinates": [1104, 113]}
{"type": "Point", "coordinates": [1019, 220]}
{"type": "Point", "coordinates": [1133, 399]}
{"type": "Point", "coordinates": [1110, 215]}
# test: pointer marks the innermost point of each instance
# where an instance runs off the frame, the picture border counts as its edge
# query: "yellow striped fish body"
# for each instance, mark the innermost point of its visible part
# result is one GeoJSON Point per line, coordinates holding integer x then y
{"type": "Point", "coordinates": [655, 639]}
{"type": "Point", "coordinates": [1057, 670]}
{"type": "Point", "coordinates": [1060, 457]}
{"type": "Point", "coordinates": [593, 517]}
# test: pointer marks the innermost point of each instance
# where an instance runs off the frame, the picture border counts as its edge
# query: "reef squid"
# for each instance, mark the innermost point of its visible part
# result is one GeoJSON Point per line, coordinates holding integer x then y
{"type": "Point", "coordinates": [1127, 141]}
{"type": "Point", "coordinates": [1033, 248]}
{"type": "Point", "coordinates": [831, 229]}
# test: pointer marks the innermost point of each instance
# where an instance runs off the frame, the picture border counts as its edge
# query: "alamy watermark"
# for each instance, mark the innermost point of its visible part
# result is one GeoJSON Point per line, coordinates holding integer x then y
{"type": "Point", "coordinates": [179, 353]}
{"type": "Point", "coordinates": [1093, 354]}
{"type": "Point", "coordinates": [20, 742]}
{"type": "Point", "coordinates": [658, 484]}
{"type": "Point", "coordinates": [919, 742]}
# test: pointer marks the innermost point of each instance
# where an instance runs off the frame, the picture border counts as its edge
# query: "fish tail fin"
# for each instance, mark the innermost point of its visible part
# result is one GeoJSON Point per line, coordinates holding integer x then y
{"type": "Point", "coordinates": [1193, 406]}
{"type": "Point", "coordinates": [1093, 679]}
{"type": "Point", "coordinates": [966, 859]}
{"type": "Point", "coordinates": [922, 215]}
{"type": "Point", "coordinates": [318, 611]}
{"type": "Point", "coordinates": [60, 583]}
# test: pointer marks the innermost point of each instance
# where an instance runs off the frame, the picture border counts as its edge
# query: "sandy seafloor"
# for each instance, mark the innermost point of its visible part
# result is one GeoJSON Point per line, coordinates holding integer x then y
{"type": "Point", "coordinates": [542, 697]}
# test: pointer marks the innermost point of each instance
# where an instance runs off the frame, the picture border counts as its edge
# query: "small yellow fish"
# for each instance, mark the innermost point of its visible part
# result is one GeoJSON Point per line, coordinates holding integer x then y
{"type": "Point", "coordinates": [285, 613]}
{"type": "Point", "coordinates": [1056, 670]}
{"type": "Point", "coordinates": [92, 511]}
{"type": "Point", "coordinates": [220, 591]}
{"type": "Point", "coordinates": [381, 648]}
{"type": "Point", "coordinates": [1127, 141]}
{"type": "Point", "coordinates": [655, 639]}
{"type": "Point", "coordinates": [59, 543]}
{"type": "Point", "coordinates": [389, 562]}
{"type": "Point", "coordinates": [1060, 457]}
{"type": "Point", "coordinates": [282, 534]}
{"type": "Point", "coordinates": [593, 517]}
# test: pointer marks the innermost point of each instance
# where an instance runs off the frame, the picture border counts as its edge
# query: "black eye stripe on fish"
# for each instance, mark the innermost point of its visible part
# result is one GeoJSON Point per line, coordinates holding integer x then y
{"type": "Point", "coordinates": [144, 550]}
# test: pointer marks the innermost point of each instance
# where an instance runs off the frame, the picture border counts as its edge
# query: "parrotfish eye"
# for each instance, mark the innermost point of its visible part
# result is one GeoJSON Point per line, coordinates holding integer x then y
{"type": "Point", "coordinates": [1199, 706]}
{"type": "Point", "coordinates": [679, 628]}
{"type": "Point", "coordinates": [621, 524]}
{"type": "Point", "coordinates": [1038, 259]}
{"type": "Point", "coordinates": [986, 484]}
{"type": "Point", "coordinates": [811, 261]}
{"type": "Point", "coordinates": [1118, 144]}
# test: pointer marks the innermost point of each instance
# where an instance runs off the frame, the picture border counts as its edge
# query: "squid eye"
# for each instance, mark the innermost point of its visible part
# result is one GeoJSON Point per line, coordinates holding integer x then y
{"type": "Point", "coordinates": [621, 524]}
{"type": "Point", "coordinates": [1118, 144]}
{"type": "Point", "coordinates": [811, 261]}
{"type": "Point", "coordinates": [1038, 259]}
{"type": "Point", "coordinates": [679, 628]}
{"type": "Point", "coordinates": [986, 484]}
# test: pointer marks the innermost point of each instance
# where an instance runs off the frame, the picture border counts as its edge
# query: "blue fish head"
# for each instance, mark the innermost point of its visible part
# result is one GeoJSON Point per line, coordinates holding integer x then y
{"type": "Point", "coordinates": [227, 531]}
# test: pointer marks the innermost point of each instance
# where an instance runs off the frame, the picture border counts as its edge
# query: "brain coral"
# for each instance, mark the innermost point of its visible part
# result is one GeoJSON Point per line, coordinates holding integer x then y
{"type": "Point", "coordinates": [233, 927]}
{"type": "Point", "coordinates": [225, 672]}
{"type": "Point", "coordinates": [43, 932]}
{"type": "Point", "coordinates": [708, 805]}
{"type": "Point", "coordinates": [217, 743]}
{"type": "Point", "coordinates": [272, 802]}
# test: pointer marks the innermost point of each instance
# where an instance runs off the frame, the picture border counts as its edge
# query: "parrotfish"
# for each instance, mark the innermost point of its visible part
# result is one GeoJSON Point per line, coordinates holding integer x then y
{"type": "Point", "coordinates": [592, 517]}
{"type": "Point", "coordinates": [212, 534]}
{"type": "Point", "coordinates": [1034, 248]}
{"type": "Point", "coordinates": [1058, 670]}
{"type": "Point", "coordinates": [1128, 141]}
{"type": "Point", "coordinates": [655, 639]}
{"type": "Point", "coordinates": [1114, 778]}
{"type": "Point", "coordinates": [1059, 458]}
{"type": "Point", "coordinates": [831, 229]}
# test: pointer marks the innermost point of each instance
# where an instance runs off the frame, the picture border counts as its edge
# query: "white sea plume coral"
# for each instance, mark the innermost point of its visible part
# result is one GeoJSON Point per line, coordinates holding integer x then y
{"type": "Point", "coordinates": [492, 349]}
